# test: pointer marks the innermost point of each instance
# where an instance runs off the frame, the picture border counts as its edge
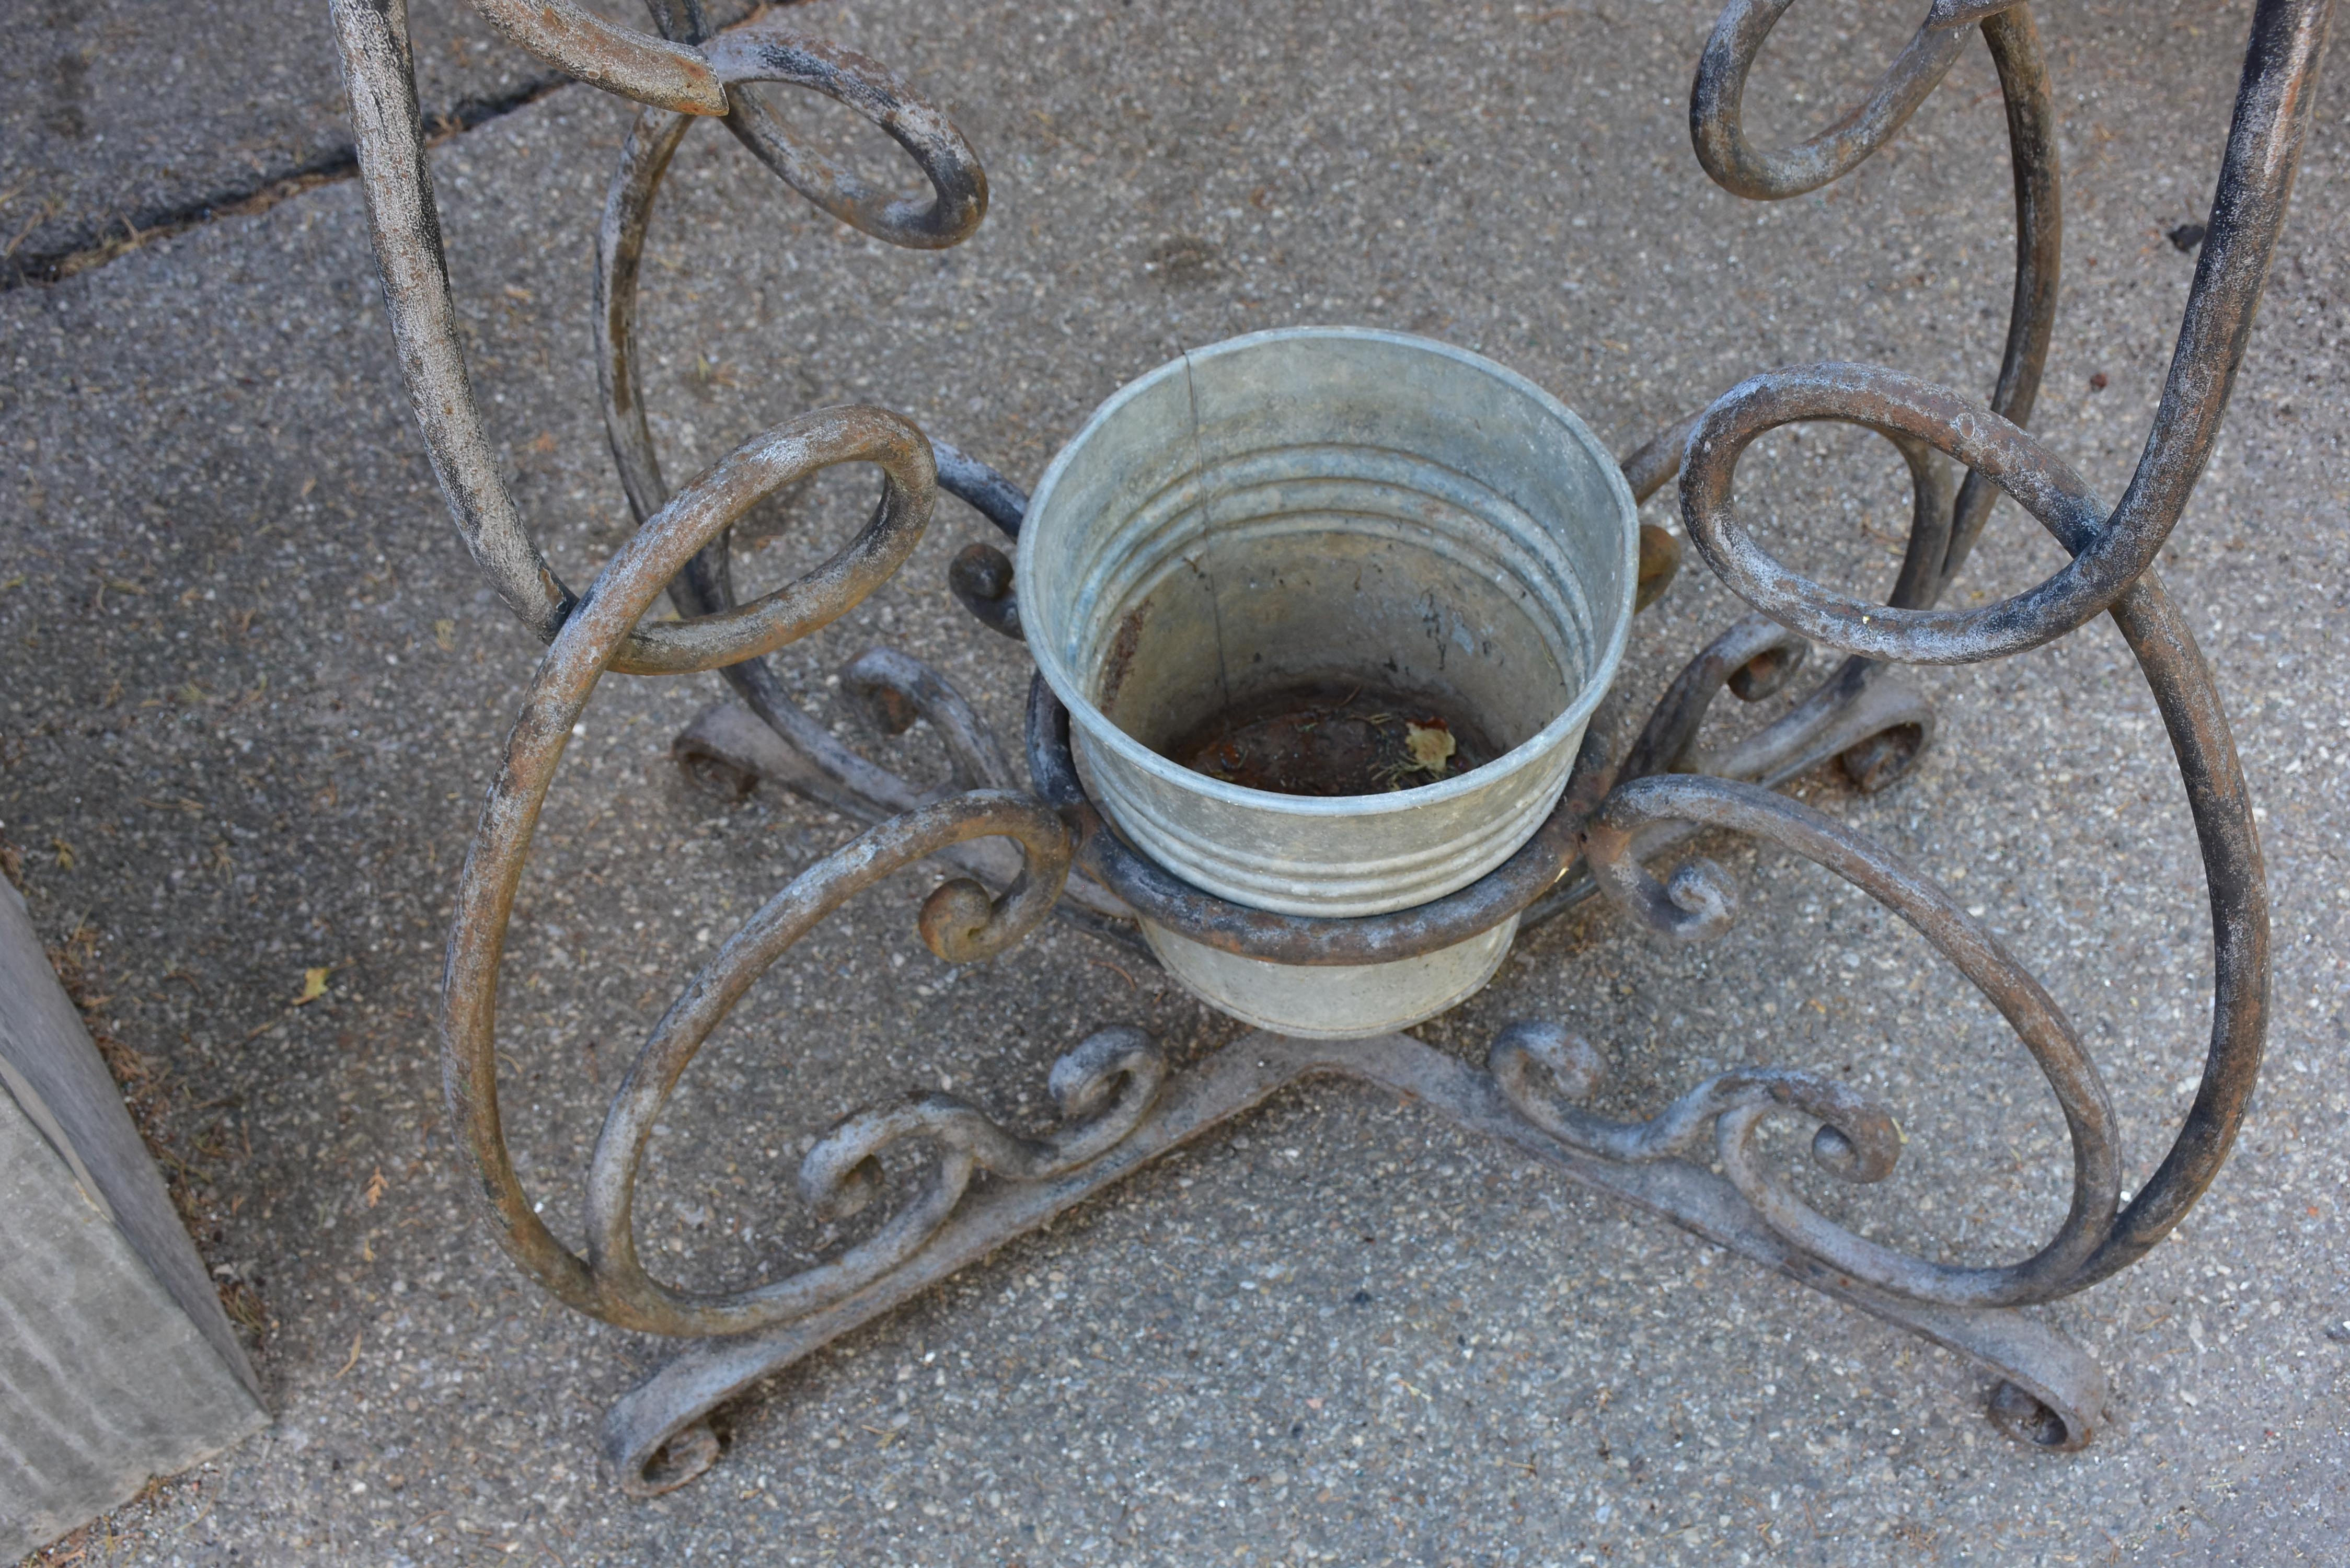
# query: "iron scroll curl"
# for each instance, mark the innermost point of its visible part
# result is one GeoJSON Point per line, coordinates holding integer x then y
{"type": "Point", "coordinates": [2112, 552]}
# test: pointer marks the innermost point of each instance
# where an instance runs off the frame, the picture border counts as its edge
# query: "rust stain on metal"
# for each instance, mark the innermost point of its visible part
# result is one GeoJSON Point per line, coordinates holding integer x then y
{"type": "Point", "coordinates": [1119, 662]}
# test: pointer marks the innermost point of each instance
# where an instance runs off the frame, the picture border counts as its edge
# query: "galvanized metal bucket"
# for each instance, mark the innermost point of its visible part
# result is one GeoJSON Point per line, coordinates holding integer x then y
{"type": "Point", "coordinates": [1320, 505]}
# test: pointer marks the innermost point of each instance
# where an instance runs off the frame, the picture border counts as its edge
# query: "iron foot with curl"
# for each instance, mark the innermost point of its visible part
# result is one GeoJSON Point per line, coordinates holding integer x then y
{"type": "Point", "coordinates": [2049, 1392]}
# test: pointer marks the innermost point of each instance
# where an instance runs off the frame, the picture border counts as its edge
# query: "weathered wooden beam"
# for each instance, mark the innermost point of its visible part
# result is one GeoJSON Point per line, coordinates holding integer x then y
{"type": "Point", "coordinates": [116, 1362]}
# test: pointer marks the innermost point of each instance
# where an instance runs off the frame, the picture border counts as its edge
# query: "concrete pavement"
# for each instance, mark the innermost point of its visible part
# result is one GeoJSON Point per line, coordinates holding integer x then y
{"type": "Point", "coordinates": [255, 693]}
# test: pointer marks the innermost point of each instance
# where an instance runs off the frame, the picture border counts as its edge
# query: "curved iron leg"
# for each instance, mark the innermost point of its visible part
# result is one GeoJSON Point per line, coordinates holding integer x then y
{"type": "Point", "coordinates": [657, 1435]}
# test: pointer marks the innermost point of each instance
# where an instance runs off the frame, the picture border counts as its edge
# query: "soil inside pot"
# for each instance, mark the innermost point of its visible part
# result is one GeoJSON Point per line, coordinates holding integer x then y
{"type": "Point", "coordinates": [1329, 738]}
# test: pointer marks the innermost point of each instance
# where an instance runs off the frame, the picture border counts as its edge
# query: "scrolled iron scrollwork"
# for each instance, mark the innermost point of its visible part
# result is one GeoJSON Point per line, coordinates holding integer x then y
{"type": "Point", "coordinates": [829, 770]}
{"type": "Point", "coordinates": [960, 920]}
{"type": "Point", "coordinates": [1102, 1089]}
{"type": "Point", "coordinates": [1545, 1072]}
{"type": "Point", "coordinates": [1753, 659]}
{"type": "Point", "coordinates": [2273, 109]}
{"type": "Point", "coordinates": [980, 577]}
{"type": "Point", "coordinates": [958, 185]}
{"type": "Point", "coordinates": [893, 686]}
{"type": "Point", "coordinates": [2112, 551]}
{"type": "Point", "coordinates": [1717, 125]}
{"type": "Point", "coordinates": [1018, 855]}
{"type": "Point", "coordinates": [1697, 904]}
{"type": "Point", "coordinates": [578, 43]}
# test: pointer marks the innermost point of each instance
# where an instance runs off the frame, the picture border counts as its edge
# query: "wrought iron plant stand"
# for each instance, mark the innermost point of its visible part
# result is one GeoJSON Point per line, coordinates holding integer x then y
{"type": "Point", "coordinates": [1044, 844]}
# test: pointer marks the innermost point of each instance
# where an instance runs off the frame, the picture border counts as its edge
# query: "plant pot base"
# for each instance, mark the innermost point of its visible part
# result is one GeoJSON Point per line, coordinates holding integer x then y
{"type": "Point", "coordinates": [1346, 1001]}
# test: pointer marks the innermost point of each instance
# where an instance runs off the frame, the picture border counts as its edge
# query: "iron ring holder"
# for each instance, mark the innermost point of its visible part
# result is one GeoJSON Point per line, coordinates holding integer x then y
{"type": "Point", "coordinates": [1025, 851]}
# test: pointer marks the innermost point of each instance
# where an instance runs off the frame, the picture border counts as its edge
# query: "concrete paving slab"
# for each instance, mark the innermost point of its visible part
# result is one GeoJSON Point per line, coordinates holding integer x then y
{"type": "Point", "coordinates": [255, 694]}
{"type": "Point", "coordinates": [119, 119]}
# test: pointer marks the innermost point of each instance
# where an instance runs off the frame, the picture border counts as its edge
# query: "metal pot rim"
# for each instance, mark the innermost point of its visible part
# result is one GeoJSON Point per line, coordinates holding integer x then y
{"type": "Point", "coordinates": [1096, 725]}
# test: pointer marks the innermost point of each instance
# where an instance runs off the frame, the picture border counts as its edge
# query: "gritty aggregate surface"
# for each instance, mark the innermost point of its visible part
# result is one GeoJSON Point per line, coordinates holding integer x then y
{"type": "Point", "coordinates": [253, 694]}
{"type": "Point", "coordinates": [116, 124]}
